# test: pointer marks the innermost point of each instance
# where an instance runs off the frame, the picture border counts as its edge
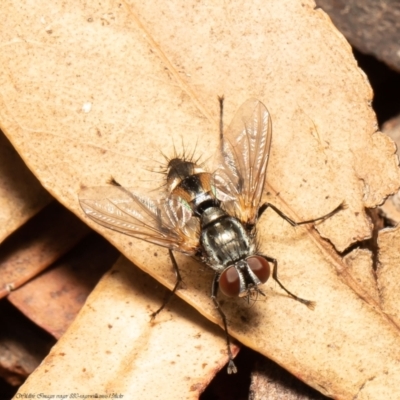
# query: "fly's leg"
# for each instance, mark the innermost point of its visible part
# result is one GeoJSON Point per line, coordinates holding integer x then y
{"type": "Point", "coordinates": [294, 223]}
{"type": "Point", "coordinates": [221, 117]}
{"type": "Point", "coordinates": [310, 304]}
{"type": "Point", "coordinates": [214, 291]}
{"type": "Point", "coordinates": [169, 295]}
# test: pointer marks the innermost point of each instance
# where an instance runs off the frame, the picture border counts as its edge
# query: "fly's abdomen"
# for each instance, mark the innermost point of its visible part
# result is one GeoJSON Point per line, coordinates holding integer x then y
{"type": "Point", "coordinates": [196, 192]}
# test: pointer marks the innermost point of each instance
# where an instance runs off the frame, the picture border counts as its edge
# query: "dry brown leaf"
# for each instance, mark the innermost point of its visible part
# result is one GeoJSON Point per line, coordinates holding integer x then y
{"type": "Point", "coordinates": [22, 346]}
{"type": "Point", "coordinates": [173, 358]}
{"type": "Point", "coordinates": [39, 243]}
{"type": "Point", "coordinates": [21, 195]}
{"type": "Point", "coordinates": [391, 207]}
{"type": "Point", "coordinates": [99, 90]}
{"type": "Point", "coordinates": [362, 22]}
{"type": "Point", "coordinates": [360, 264]}
{"type": "Point", "coordinates": [53, 299]}
{"type": "Point", "coordinates": [388, 272]}
{"type": "Point", "coordinates": [269, 381]}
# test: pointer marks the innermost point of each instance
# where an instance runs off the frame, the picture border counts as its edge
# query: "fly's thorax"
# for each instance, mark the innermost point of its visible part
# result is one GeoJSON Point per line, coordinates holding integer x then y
{"type": "Point", "coordinates": [224, 239]}
{"type": "Point", "coordinates": [178, 170]}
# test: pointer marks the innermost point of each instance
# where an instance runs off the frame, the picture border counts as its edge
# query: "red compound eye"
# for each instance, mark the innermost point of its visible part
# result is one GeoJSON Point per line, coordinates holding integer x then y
{"type": "Point", "coordinates": [229, 282]}
{"type": "Point", "coordinates": [260, 266]}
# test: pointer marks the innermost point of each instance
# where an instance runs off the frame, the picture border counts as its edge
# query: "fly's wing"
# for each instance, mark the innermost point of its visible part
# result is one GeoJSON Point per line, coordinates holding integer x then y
{"type": "Point", "coordinates": [240, 176]}
{"type": "Point", "coordinates": [165, 222]}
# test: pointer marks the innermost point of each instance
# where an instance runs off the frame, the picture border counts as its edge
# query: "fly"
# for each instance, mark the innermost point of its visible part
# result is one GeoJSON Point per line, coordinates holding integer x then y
{"type": "Point", "coordinates": [209, 216]}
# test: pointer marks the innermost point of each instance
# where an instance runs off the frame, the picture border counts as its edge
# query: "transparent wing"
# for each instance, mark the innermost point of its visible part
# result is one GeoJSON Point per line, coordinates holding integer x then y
{"type": "Point", "coordinates": [240, 176]}
{"type": "Point", "coordinates": [164, 222]}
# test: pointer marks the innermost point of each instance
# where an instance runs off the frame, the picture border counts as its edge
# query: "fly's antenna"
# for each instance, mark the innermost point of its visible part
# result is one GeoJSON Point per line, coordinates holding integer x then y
{"type": "Point", "coordinates": [221, 117]}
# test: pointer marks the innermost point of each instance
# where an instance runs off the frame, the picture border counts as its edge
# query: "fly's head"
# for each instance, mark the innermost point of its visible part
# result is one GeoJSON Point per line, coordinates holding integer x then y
{"type": "Point", "coordinates": [243, 277]}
